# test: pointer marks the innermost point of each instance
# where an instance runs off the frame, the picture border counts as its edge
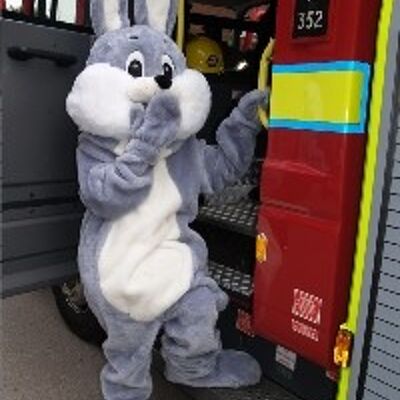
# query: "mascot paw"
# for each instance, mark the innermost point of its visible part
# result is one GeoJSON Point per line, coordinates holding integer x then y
{"type": "Point", "coordinates": [251, 101]}
{"type": "Point", "coordinates": [137, 116]}
{"type": "Point", "coordinates": [233, 369]}
{"type": "Point", "coordinates": [161, 122]}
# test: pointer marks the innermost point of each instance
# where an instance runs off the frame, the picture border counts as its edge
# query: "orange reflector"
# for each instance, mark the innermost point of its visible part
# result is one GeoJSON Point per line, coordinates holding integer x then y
{"type": "Point", "coordinates": [261, 247]}
{"type": "Point", "coordinates": [343, 347]}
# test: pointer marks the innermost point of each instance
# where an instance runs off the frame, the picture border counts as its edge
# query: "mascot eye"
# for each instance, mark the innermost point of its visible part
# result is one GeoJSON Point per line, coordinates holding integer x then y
{"type": "Point", "coordinates": [168, 67]}
{"type": "Point", "coordinates": [135, 64]}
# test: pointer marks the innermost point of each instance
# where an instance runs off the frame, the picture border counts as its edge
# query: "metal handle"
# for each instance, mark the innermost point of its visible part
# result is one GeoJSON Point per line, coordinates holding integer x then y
{"type": "Point", "coordinates": [180, 31]}
{"type": "Point", "coordinates": [263, 78]}
{"type": "Point", "coordinates": [20, 53]}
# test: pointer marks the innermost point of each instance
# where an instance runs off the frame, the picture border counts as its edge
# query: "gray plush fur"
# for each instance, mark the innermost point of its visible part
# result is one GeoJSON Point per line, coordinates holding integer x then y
{"type": "Point", "coordinates": [97, 12]}
{"type": "Point", "coordinates": [114, 48]}
{"type": "Point", "coordinates": [118, 179]}
{"type": "Point", "coordinates": [142, 14]}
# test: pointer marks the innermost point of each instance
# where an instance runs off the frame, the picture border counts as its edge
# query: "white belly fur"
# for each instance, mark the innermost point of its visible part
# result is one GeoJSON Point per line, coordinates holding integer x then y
{"type": "Point", "coordinates": [143, 268]}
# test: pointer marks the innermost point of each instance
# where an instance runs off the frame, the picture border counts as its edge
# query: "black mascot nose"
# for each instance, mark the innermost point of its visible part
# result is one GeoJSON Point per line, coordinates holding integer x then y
{"type": "Point", "coordinates": [163, 81]}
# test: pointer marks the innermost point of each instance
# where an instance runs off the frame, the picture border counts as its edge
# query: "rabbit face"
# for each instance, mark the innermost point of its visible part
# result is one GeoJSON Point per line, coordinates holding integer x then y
{"type": "Point", "coordinates": [125, 69]}
{"type": "Point", "coordinates": [141, 52]}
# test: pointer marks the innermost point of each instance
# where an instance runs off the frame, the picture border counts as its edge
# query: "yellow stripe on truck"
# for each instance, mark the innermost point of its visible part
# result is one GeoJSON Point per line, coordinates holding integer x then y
{"type": "Point", "coordinates": [324, 97]}
{"type": "Point", "coordinates": [331, 96]}
{"type": "Point", "coordinates": [369, 182]}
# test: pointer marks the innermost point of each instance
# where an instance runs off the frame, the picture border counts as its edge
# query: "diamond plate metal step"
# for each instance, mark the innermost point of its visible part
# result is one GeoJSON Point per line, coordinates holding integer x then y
{"type": "Point", "coordinates": [266, 390]}
{"type": "Point", "coordinates": [231, 279]}
{"type": "Point", "coordinates": [240, 217]}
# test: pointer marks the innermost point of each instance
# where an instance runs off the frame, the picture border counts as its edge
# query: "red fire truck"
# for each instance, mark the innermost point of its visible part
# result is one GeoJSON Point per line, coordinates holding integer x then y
{"type": "Point", "coordinates": [307, 245]}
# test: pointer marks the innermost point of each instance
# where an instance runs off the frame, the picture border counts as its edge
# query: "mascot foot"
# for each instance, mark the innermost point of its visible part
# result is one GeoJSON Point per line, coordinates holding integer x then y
{"type": "Point", "coordinates": [234, 369]}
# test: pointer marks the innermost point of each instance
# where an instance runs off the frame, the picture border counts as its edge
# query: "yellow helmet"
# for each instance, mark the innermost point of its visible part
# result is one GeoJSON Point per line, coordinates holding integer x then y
{"type": "Point", "coordinates": [204, 55]}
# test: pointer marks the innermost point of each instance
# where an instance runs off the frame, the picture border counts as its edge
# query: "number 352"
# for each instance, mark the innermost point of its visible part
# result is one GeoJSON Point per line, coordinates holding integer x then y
{"type": "Point", "coordinates": [310, 20]}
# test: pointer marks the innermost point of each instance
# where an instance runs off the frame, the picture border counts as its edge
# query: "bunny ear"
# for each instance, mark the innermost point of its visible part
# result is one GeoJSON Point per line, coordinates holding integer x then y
{"type": "Point", "coordinates": [109, 15]}
{"type": "Point", "coordinates": [159, 14]}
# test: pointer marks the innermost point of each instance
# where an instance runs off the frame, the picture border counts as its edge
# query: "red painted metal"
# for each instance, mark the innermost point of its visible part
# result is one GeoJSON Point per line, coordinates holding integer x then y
{"type": "Point", "coordinates": [244, 323]}
{"type": "Point", "coordinates": [310, 195]}
{"type": "Point", "coordinates": [2, 5]}
{"type": "Point", "coordinates": [351, 34]}
{"type": "Point", "coordinates": [27, 7]}
{"type": "Point", "coordinates": [310, 192]}
{"type": "Point", "coordinates": [80, 12]}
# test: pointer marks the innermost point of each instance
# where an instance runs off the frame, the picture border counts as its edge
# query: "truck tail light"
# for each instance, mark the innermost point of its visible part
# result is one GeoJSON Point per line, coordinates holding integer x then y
{"type": "Point", "coordinates": [343, 348]}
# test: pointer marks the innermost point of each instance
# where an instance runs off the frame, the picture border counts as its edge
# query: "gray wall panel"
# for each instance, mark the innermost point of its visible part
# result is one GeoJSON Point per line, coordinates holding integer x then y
{"type": "Point", "coordinates": [394, 219]}
{"type": "Point", "coordinates": [395, 189]}
{"type": "Point", "coordinates": [394, 203]}
{"type": "Point", "coordinates": [385, 345]}
{"type": "Point", "coordinates": [368, 395]}
{"type": "Point", "coordinates": [389, 362]}
{"type": "Point", "coordinates": [383, 374]}
{"type": "Point", "coordinates": [384, 390]}
{"type": "Point", "coordinates": [392, 231]}
{"type": "Point", "coordinates": [389, 330]}
{"type": "Point", "coordinates": [391, 267]}
{"type": "Point", "coordinates": [390, 283]}
{"type": "Point", "coordinates": [397, 153]}
{"type": "Point", "coordinates": [391, 251]}
{"type": "Point", "coordinates": [396, 170]}
{"type": "Point", "coordinates": [387, 314]}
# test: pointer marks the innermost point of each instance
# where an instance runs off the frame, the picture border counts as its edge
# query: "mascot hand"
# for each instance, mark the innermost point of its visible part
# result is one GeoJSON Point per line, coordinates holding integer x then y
{"type": "Point", "coordinates": [137, 117]}
{"type": "Point", "coordinates": [162, 120]}
{"type": "Point", "coordinates": [249, 103]}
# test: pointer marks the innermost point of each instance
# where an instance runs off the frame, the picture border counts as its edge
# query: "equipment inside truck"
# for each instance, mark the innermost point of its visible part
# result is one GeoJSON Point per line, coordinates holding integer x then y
{"type": "Point", "coordinates": [306, 245]}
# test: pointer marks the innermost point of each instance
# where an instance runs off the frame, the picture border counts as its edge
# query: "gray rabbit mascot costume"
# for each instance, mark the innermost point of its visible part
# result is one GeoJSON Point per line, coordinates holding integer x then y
{"type": "Point", "coordinates": [141, 170]}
